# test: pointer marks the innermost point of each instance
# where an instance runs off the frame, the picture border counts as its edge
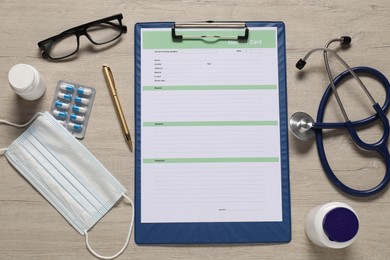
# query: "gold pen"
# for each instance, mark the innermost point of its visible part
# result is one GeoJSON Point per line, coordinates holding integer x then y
{"type": "Point", "coordinates": [111, 87]}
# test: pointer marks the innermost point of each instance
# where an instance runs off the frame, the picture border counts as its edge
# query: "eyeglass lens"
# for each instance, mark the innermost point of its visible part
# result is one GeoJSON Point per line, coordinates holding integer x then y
{"type": "Point", "coordinates": [97, 34]}
{"type": "Point", "coordinates": [64, 46]}
{"type": "Point", "coordinates": [104, 32]}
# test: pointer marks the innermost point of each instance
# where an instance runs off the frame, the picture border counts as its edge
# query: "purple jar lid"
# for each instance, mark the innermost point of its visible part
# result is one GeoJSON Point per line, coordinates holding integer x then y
{"type": "Point", "coordinates": [340, 225]}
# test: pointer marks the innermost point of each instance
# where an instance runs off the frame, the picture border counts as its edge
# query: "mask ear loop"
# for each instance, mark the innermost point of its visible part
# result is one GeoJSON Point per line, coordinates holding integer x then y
{"type": "Point", "coordinates": [3, 150]}
{"type": "Point", "coordinates": [127, 239]}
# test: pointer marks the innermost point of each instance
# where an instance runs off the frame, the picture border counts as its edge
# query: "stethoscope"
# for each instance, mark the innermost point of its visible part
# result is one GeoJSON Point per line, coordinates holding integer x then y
{"type": "Point", "coordinates": [304, 127]}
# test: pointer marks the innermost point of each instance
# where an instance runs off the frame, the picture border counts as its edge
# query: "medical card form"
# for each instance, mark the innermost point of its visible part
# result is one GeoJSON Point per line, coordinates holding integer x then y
{"type": "Point", "coordinates": [210, 128]}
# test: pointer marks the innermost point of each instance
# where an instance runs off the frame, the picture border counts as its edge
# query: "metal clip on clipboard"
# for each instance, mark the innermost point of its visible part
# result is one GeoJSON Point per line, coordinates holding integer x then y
{"type": "Point", "coordinates": [209, 25]}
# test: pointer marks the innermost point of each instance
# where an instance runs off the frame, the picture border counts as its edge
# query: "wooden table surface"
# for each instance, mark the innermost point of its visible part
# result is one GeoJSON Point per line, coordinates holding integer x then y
{"type": "Point", "coordinates": [30, 228]}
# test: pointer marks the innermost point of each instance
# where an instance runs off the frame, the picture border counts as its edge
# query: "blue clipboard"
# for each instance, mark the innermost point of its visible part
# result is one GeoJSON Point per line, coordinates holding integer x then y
{"type": "Point", "coordinates": [216, 232]}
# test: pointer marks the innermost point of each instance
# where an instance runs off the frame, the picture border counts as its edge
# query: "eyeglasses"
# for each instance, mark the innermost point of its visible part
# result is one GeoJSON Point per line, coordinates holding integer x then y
{"type": "Point", "coordinates": [67, 43]}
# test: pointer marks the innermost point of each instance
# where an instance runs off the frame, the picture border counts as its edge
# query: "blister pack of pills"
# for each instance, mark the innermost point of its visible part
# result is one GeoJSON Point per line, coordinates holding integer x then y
{"type": "Point", "coordinates": [72, 105]}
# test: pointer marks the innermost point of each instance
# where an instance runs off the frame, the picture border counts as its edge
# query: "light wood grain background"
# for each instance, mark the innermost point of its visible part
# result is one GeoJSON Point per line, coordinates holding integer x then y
{"type": "Point", "coordinates": [30, 228]}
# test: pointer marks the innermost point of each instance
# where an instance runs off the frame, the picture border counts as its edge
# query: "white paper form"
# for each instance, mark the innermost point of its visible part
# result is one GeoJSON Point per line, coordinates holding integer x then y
{"type": "Point", "coordinates": [210, 149]}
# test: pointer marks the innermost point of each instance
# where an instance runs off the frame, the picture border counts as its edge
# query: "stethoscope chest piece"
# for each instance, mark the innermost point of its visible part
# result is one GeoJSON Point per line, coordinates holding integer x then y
{"type": "Point", "coordinates": [301, 125]}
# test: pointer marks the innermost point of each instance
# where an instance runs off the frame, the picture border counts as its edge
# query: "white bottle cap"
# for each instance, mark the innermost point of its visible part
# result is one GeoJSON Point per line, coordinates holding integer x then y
{"type": "Point", "coordinates": [26, 82]}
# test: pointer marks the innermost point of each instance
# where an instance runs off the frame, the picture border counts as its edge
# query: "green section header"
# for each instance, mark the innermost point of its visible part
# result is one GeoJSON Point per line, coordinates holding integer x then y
{"type": "Point", "coordinates": [216, 87]}
{"type": "Point", "coordinates": [212, 123]}
{"type": "Point", "coordinates": [163, 39]}
{"type": "Point", "coordinates": [211, 160]}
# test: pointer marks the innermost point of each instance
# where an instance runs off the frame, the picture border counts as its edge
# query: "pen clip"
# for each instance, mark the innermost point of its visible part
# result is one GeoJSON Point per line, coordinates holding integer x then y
{"type": "Point", "coordinates": [109, 79]}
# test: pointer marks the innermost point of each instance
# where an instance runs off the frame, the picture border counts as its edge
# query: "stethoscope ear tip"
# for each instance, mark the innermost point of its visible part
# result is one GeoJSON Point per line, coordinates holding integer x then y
{"type": "Point", "coordinates": [301, 125]}
{"type": "Point", "coordinates": [300, 64]}
{"type": "Point", "coordinates": [346, 40]}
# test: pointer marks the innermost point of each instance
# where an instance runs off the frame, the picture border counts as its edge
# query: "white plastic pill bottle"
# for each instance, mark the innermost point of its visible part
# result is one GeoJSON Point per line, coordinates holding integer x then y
{"type": "Point", "coordinates": [26, 81]}
{"type": "Point", "coordinates": [332, 225]}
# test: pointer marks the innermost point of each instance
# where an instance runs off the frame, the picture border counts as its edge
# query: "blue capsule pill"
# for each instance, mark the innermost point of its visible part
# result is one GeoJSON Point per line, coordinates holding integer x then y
{"type": "Point", "coordinates": [75, 127]}
{"type": "Point", "coordinates": [78, 109]}
{"type": "Point", "coordinates": [67, 87]}
{"type": "Point", "coordinates": [81, 100]}
{"type": "Point", "coordinates": [62, 105]}
{"type": "Point", "coordinates": [84, 91]}
{"type": "Point", "coordinates": [60, 114]}
{"type": "Point", "coordinates": [77, 118]}
{"type": "Point", "coordinates": [66, 97]}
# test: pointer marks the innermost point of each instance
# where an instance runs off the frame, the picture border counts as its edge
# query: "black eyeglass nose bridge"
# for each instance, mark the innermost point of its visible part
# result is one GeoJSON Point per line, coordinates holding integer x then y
{"type": "Point", "coordinates": [114, 21]}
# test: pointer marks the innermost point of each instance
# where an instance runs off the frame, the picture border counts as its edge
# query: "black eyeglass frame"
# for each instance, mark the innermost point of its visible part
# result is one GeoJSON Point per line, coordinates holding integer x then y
{"type": "Point", "coordinates": [78, 31]}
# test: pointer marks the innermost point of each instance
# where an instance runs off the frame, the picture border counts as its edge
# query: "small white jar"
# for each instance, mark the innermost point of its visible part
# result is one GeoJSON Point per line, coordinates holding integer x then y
{"type": "Point", "coordinates": [332, 225]}
{"type": "Point", "coordinates": [26, 81]}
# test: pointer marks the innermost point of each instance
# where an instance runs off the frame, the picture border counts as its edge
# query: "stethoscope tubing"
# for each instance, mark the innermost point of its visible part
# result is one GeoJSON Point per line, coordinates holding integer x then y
{"type": "Point", "coordinates": [337, 81]}
{"type": "Point", "coordinates": [380, 146]}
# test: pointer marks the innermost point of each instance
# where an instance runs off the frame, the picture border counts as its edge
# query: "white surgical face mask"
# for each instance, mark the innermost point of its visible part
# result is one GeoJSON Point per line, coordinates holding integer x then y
{"type": "Point", "coordinates": [66, 174]}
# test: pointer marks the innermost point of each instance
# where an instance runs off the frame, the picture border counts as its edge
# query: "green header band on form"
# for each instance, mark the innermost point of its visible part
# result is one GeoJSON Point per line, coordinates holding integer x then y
{"type": "Point", "coordinates": [216, 87]}
{"type": "Point", "coordinates": [212, 123]}
{"type": "Point", "coordinates": [163, 39]}
{"type": "Point", "coordinates": [211, 160]}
